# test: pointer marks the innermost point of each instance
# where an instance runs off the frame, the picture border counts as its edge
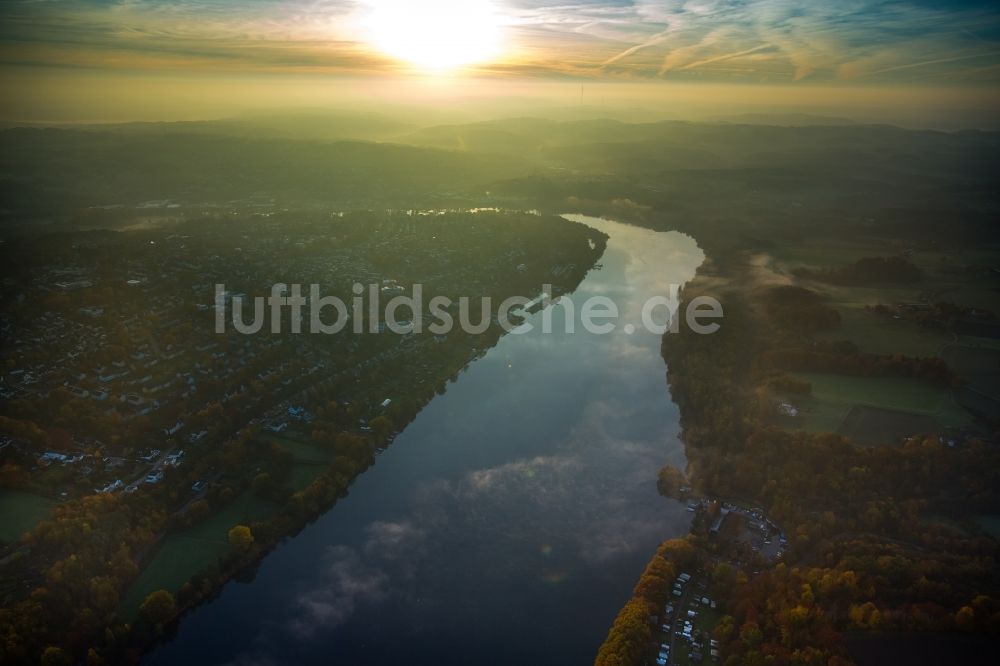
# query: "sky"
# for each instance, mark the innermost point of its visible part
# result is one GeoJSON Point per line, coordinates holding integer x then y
{"type": "Point", "coordinates": [953, 45]}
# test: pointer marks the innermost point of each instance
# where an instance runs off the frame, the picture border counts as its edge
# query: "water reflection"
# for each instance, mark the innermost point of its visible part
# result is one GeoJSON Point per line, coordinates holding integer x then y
{"type": "Point", "coordinates": [509, 521]}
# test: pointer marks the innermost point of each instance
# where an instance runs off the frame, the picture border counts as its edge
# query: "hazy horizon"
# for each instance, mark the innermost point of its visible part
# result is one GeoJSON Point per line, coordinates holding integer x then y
{"type": "Point", "coordinates": [924, 64]}
{"type": "Point", "coordinates": [124, 98]}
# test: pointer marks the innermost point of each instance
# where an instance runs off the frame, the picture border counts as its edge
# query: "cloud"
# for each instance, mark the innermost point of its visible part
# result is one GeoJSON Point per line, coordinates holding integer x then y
{"type": "Point", "coordinates": [348, 583]}
{"type": "Point", "coordinates": [883, 40]}
{"type": "Point", "coordinates": [393, 540]}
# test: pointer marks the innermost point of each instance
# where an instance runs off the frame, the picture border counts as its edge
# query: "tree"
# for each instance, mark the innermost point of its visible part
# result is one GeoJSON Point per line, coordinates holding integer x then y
{"type": "Point", "coordinates": [241, 537]}
{"type": "Point", "coordinates": [751, 634]}
{"type": "Point", "coordinates": [724, 629]}
{"type": "Point", "coordinates": [629, 637]}
{"type": "Point", "coordinates": [263, 485]}
{"type": "Point", "coordinates": [965, 618]}
{"type": "Point", "coordinates": [54, 656]}
{"type": "Point", "coordinates": [670, 481]}
{"type": "Point", "coordinates": [382, 425]}
{"type": "Point", "coordinates": [159, 607]}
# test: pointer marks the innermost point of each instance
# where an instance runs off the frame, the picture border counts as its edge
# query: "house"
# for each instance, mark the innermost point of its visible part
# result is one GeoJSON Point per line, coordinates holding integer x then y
{"type": "Point", "coordinates": [151, 456]}
{"type": "Point", "coordinates": [196, 437]}
{"type": "Point", "coordinates": [787, 409]}
{"type": "Point", "coordinates": [177, 427]}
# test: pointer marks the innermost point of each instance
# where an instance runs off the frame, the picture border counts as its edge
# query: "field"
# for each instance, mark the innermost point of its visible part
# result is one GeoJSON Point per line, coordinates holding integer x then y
{"type": "Point", "coordinates": [184, 554]}
{"type": "Point", "coordinates": [978, 366]}
{"type": "Point", "coordinates": [21, 512]}
{"type": "Point", "coordinates": [834, 396]}
{"type": "Point", "coordinates": [873, 426]}
{"type": "Point", "coordinates": [880, 334]}
{"type": "Point", "coordinates": [177, 560]}
{"type": "Point", "coordinates": [977, 403]}
{"type": "Point", "coordinates": [302, 449]}
{"type": "Point", "coordinates": [302, 474]}
{"type": "Point", "coordinates": [311, 459]}
{"type": "Point", "coordinates": [955, 277]}
{"type": "Point", "coordinates": [990, 523]}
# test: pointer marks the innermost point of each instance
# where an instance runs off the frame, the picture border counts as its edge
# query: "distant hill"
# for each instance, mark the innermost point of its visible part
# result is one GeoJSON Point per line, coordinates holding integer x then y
{"type": "Point", "coordinates": [672, 165]}
{"type": "Point", "coordinates": [50, 172]}
{"type": "Point", "coordinates": [309, 125]}
{"type": "Point", "coordinates": [783, 119]}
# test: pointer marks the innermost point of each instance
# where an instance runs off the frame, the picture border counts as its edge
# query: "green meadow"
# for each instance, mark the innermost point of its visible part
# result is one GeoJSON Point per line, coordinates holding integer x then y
{"type": "Point", "coordinates": [184, 554]}
{"type": "Point", "coordinates": [21, 512]}
{"type": "Point", "coordinates": [834, 396]}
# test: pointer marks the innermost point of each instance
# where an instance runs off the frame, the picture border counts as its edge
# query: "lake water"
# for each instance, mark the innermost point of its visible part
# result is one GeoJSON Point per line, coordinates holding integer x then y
{"type": "Point", "coordinates": [506, 525]}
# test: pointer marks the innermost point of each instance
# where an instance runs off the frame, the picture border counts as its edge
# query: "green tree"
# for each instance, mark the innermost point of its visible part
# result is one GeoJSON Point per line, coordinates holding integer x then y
{"type": "Point", "coordinates": [263, 485]}
{"type": "Point", "coordinates": [382, 425]}
{"type": "Point", "coordinates": [54, 656]}
{"type": "Point", "coordinates": [159, 607]}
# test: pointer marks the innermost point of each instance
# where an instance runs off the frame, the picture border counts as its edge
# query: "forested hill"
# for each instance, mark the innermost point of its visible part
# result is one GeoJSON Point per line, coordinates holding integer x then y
{"type": "Point", "coordinates": [49, 172]}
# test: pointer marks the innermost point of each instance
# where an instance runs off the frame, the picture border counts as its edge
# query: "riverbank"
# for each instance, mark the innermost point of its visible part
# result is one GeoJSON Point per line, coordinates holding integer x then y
{"type": "Point", "coordinates": [527, 485]}
{"type": "Point", "coordinates": [236, 493]}
{"type": "Point", "coordinates": [845, 508]}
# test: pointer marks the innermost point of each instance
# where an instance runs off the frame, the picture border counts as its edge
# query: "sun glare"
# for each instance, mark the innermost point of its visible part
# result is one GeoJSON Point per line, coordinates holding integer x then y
{"type": "Point", "coordinates": [435, 34]}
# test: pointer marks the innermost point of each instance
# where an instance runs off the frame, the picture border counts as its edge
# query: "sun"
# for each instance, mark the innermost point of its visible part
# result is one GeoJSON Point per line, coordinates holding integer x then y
{"type": "Point", "coordinates": [435, 34]}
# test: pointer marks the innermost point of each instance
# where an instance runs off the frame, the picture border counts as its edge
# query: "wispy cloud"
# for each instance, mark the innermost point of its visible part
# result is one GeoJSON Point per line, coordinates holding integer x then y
{"type": "Point", "coordinates": [348, 583]}
{"type": "Point", "coordinates": [882, 40]}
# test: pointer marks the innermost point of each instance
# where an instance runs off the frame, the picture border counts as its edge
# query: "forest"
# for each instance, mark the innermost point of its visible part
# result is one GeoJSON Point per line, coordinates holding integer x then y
{"type": "Point", "coordinates": [880, 539]}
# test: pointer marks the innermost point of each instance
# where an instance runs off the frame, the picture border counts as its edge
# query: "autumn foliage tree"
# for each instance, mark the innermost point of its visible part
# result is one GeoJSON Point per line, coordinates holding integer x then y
{"type": "Point", "coordinates": [241, 538]}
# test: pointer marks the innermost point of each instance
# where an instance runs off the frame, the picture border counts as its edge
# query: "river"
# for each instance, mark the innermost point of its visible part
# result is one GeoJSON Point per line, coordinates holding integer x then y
{"type": "Point", "coordinates": [506, 524]}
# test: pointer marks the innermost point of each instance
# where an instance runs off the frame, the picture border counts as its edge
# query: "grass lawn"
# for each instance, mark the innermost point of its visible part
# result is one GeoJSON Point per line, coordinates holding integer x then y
{"type": "Point", "coordinates": [21, 512]}
{"type": "Point", "coordinates": [174, 564]}
{"type": "Point", "coordinates": [303, 450]}
{"type": "Point", "coordinates": [184, 554]}
{"type": "Point", "coordinates": [244, 510]}
{"type": "Point", "coordinates": [990, 523]}
{"type": "Point", "coordinates": [874, 426]}
{"type": "Point", "coordinates": [833, 396]}
{"type": "Point", "coordinates": [303, 474]}
{"type": "Point", "coordinates": [880, 334]}
{"type": "Point", "coordinates": [979, 366]}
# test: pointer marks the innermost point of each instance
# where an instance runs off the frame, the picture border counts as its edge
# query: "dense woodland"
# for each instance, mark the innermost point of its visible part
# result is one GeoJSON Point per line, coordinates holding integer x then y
{"type": "Point", "coordinates": [879, 538]}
